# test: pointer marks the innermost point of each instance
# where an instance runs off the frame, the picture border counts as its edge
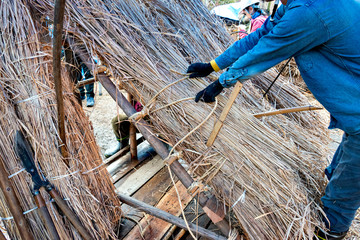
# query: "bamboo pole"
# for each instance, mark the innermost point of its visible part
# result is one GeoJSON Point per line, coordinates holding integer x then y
{"type": "Point", "coordinates": [13, 203]}
{"type": "Point", "coordinates": [57, 44]}
{"type": "Point", "coordinates": [168, 217]}
{"type": "Point", "coordinates": [219, 123]}
{"type": "Point", "coordinates": [132, 136]}
{"type": "Point", "coordinates": [287, 110]}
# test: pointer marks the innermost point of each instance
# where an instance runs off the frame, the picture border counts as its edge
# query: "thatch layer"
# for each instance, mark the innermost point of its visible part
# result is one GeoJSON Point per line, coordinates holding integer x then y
{"type": "Point", "coordinates": [28, 102]}
{"type": "Point", "coordinates": [269, 170]}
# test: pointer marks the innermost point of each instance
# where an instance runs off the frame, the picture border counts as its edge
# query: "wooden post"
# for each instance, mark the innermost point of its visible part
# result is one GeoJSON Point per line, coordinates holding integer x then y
{"type": "Point", "coordinates": [219, 123]}
{"type": "Point", "coordinates": [14, 204]}
{"type": "Point", "coordinates": [168, 217]}
{"type": "Point", "coordinates": [57, 44]}
{"type": "Point", "coordinates": [132, 135]}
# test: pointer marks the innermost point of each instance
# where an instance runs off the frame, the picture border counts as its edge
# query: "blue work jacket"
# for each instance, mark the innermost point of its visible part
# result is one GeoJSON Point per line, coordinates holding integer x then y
{"type": "Point", "coordinates": [324, 38]}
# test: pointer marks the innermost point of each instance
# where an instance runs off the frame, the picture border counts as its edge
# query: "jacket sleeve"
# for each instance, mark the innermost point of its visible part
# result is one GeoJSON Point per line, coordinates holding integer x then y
{"type": "Point", "coordinates": [245, 44]}
{"type": "Point", "coordinates": [298, 31]}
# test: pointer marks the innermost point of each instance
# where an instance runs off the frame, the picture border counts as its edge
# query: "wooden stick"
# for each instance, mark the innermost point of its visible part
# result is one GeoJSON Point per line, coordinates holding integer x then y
{"type": "Point", "coordinates": [85, 82]}
{"type": "Point", "coordinates": [13, 203]}
{"type": "Point", "coordinates": [45, 216]}
{"type": "Point", "coordinates": [287, 110]}
{"type": "Point", "coordinates": [59, 10]}
{"type": "Point", "coordinates": [132, 136]}
{"type": "Point", "coordinates": [168, 217]}
{"type": "Point", "coordinates": [224, 114]}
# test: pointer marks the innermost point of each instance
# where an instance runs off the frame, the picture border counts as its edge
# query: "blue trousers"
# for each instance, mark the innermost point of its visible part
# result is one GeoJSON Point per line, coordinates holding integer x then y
{"type": "Point", "coordinates": [342, 194]}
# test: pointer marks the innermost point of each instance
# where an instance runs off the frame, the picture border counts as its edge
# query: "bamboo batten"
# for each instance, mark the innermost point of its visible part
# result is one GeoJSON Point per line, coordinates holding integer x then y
{"type": "Point", "coordinates": [28, 102]}
{"type": "Point", "coordinates": [269, 171]}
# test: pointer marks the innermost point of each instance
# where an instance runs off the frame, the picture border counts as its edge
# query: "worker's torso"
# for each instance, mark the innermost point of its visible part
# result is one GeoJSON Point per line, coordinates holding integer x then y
{"type": "Point", "coordinates": [332, 70]}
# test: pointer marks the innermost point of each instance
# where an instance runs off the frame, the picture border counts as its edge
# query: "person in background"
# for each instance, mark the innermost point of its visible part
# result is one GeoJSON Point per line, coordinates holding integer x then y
{"type": "Point", "coordinates": [86, 92]}
{"type": "Point", "coordinates": [323, 36]}
{"type": "Point", "coordinates": [253, 17]}
{"type": "Point", "coordinates": [121, 128]}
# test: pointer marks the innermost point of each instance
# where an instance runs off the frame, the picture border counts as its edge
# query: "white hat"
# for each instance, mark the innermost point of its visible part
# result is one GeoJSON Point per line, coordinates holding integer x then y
{"type": "Point", "coordinates": [232, 10]}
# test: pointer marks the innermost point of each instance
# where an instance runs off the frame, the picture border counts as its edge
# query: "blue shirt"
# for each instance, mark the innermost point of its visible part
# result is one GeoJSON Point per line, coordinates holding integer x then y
{"type": "Point", "coordinates": [324, 38]}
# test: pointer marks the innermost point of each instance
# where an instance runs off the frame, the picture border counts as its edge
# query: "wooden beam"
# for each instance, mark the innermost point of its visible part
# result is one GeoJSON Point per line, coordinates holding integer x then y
{"type": "Point", "coordinates": [59, 10]}
{"type": "Point", "coordinates": [13, 204]}
{"type": "Point", "coordinates": [219, 123]}
{"type": "Point", "coordinates": [167, 217]}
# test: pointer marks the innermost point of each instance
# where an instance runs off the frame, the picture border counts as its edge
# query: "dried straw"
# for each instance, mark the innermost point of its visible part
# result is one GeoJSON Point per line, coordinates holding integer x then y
{"type": "Point", "coordinates": [28, 102]}
{"type": "Point", "coordinates": [277, 160]}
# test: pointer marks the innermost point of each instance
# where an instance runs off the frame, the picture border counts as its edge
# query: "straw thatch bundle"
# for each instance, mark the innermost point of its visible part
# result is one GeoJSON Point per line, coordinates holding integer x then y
{"type": "Point", "coordinates": [270, 170]}
{"type": "Point", "coordinates": [28, 102]}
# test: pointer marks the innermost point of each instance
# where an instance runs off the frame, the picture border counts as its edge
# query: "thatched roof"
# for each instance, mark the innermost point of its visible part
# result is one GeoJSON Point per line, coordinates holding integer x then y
{"type": "Point", "coordinates": [269, 171]}
{"type": "Point", "coordinates": [28, 103]}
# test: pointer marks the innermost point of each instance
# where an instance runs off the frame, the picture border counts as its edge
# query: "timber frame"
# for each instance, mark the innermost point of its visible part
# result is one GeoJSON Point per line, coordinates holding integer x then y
{"type": "Point", "coordinates": [211, 206]}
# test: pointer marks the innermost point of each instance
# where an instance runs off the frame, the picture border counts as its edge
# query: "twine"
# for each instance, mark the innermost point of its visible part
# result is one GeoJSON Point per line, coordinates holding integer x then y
{"type": "Point", "coordinates": [166, 87]}
{"type": "Point", "coordinates": [34, 97]}
{"type": "Point", "coordinates": [173, 103]}
{"type": "Point", "coordinates": [139, 115]}
{"type": "Point", "coordinates": [30, 210]}
{"type": "Point", "coordinates": [16, 173]}
{"type": "Point", "coordinates": [241, 199]}
{"type": "Point", "coordinates": [63, 176]}
{"type": "Point", "coordinates": [93, 169]}
{"type": "Point", "coordinates": [172, 158]}
{"type": "Point", "coordinates": [196, 128]}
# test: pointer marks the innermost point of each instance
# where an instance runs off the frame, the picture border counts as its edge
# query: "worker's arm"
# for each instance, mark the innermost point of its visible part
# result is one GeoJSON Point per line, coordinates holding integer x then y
{"type": "Point", "coordinates": [236, 50]}
{"type": "Point", "coordinates": [299, 30]}
{"type": "Point", "coordinates": [242, 46]}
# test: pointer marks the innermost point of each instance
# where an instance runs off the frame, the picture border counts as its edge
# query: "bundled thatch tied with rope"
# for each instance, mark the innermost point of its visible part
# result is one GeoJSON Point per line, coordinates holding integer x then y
{"type": "Point", "coordinates": [28, 105]}
{"type": "Point", "coordinates": [269, 170]}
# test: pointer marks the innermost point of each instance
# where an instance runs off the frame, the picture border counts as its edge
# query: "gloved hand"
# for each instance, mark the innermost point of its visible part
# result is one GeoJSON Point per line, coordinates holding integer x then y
{"type": "Point", "coordinates": [200, 69]}
{"type": "Point", "coordinates": [210, 92]}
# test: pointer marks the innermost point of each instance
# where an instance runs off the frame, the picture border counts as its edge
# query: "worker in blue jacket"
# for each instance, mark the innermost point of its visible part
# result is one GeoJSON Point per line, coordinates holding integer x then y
{"type": "Point", "coordinates": [324, 38]}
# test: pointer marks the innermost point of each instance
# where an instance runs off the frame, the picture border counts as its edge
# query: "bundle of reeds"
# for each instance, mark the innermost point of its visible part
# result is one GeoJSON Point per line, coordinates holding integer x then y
{"type": "Point", "coordinates": [28, 103]}
{"type": "Point", "coordinates": [269, 171]}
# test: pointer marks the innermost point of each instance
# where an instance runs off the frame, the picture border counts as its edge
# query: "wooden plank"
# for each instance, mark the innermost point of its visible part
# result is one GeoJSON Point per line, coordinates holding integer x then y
{"type": "Point", "coordinates": [160, 214]}
{"type": "Point", "coordinates": [124, 165]}
{"type": "Point", "coordinates": [140, 176]}
{"type": "Point", "coordinates": [155, 228]}
{"type": "Point", "coordinates": [150, 193]}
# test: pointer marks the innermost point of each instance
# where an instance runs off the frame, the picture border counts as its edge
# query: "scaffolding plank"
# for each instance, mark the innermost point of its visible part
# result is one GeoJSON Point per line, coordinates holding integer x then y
{"type": "Point", "coordinates": [139, 177]}
{"type": "Point", "coordinates": [155, 228]}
